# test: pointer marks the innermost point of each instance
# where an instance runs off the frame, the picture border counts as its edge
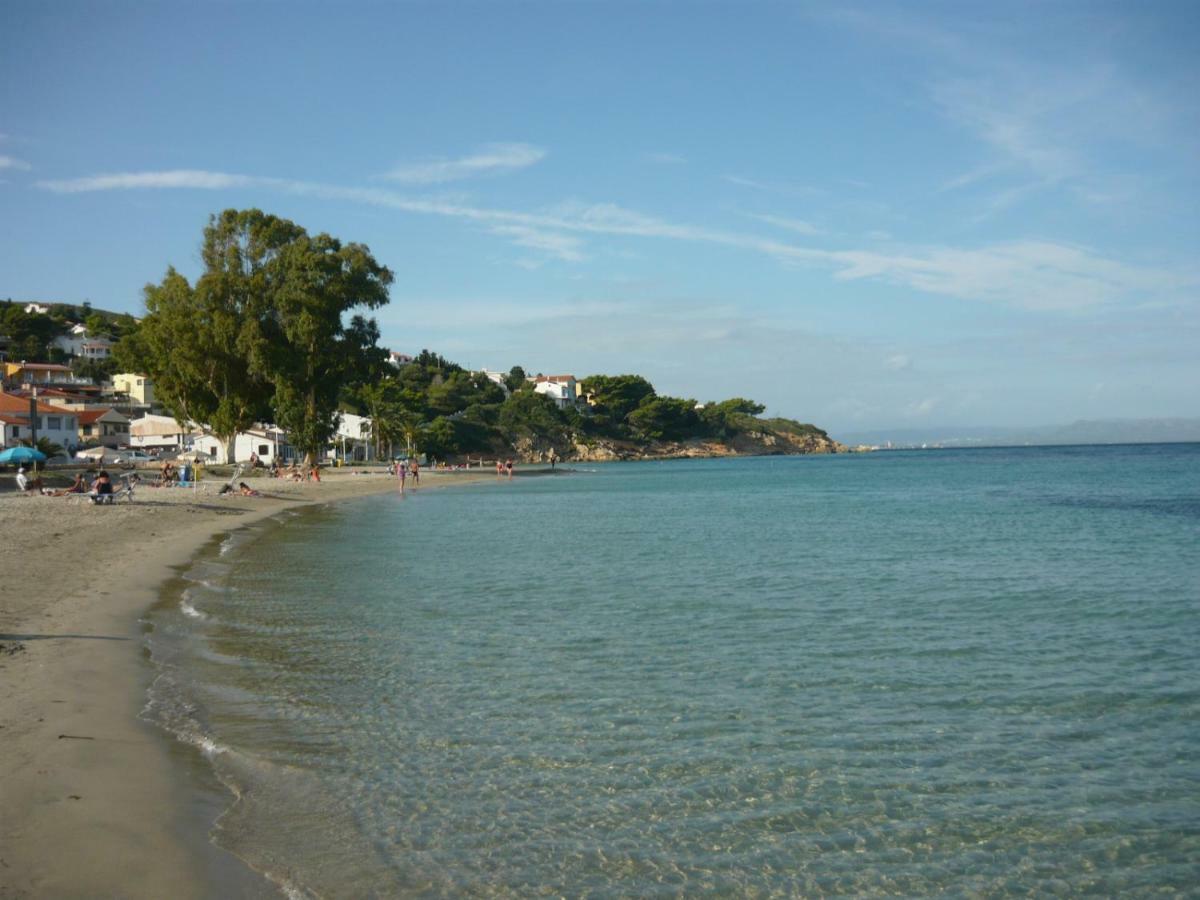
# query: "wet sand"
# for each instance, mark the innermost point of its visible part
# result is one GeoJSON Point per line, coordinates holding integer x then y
{"type": "Point", "coordinates": [94, 801]}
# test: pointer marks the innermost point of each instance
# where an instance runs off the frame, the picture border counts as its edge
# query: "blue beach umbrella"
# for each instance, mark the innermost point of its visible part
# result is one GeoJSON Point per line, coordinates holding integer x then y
{"type": "Point", "coordinates": [21, 455]}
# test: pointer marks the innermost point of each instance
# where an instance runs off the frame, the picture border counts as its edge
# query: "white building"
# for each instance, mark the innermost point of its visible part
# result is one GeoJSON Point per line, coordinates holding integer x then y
{"type": "Point", "coordinates": [500, 378]}
{"type": "Point", "coordinates": [38, 308]}
{"type": "Point", "coordinates": [59, 425]}
{"type": "Point", "coordinates": [399, 359]}
{"type": "Point", "coordinates": [562, 389]}
{"type": "Point", "coordinates": [267, 443]}
{"type": "Point", "coordinates": [353, 440]}
{"type": "Point", "coordinates": [161, 433]}
{"type": "Point", "coordinates": [82, 345]}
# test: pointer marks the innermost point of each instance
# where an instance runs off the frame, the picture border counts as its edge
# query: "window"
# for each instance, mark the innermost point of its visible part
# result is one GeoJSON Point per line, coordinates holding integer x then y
{"type": "Point", "coordinates": [87, 430]}
{"type": "Point", "coordinates": [264, 449]}
{"type": "Point", "coordinates": [212, 451]}
{"type": "Point", "coordinates": [54, 423]}
{"type": "Point", "coordinates": [16, 430]}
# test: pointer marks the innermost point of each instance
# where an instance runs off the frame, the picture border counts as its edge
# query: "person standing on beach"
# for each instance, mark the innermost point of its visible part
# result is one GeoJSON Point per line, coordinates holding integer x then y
{"type": "Point", "coordinates": [499, 469]}
{"type": "Point", "coordinates": [416, 473]}
{"type": "Point", "coordinates": [401, 473]}
{"type": "Point", "coordinates": [508, 465]}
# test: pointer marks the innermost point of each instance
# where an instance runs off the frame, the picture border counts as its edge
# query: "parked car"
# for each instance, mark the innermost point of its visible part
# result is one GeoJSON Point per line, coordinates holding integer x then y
{"type": "Point", "coordinates": [128, 459]}
{"type": "Point", "coordinates": [101, 456]}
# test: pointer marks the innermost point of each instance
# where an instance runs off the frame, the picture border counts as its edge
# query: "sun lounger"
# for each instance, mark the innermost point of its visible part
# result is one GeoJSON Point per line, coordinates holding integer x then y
{"type": "Point", "coordinates": [124, 492]}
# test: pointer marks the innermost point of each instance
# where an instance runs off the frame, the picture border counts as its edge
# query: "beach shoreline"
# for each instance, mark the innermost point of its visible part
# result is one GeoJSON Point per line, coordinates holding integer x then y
{"type": "Point", "coordinates": [94, 800]}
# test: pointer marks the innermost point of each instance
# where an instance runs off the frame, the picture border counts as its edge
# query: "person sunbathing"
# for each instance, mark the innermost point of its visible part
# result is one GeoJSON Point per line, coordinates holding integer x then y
{"type": "Point", "coordinates": [78, 486]}
{"type": "Point", "coordinates": [246, 491]}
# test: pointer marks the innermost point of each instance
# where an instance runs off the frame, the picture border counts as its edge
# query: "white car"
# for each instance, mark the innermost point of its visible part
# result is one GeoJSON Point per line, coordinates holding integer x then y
{"type": "Point", "coordinates": [106, 456]}
{"type": "Point", "coordinates": [127, 459]}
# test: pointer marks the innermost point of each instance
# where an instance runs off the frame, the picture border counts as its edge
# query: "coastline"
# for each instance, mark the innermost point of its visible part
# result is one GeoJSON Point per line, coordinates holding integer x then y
{"type": "Point", "coordinates": [94, 801]}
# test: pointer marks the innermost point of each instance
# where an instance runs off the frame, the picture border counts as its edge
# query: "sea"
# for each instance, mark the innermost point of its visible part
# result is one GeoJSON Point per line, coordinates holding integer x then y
{"type": "Point", "coordinates": [961, 672]}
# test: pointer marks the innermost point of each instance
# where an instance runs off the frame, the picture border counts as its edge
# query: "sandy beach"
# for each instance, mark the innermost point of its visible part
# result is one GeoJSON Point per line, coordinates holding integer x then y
{"type": "Point", "coordinates": [93, 801]}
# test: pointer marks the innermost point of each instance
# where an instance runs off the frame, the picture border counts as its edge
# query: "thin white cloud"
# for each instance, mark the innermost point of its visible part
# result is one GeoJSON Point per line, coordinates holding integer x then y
{"type": "Point", "coordinates": [1039, 275]}
{"type": "Point", "coordinates": [786, 190]}
{"type": "Point", "coordinates": [560, 246]}
{"type": "Point", "coordinates": [175, 178]}
{"type": "Point", "coordinates": [491, 159]}
{"type": "Point", "coordinates": [11, 162]}
{"type": "Point", "coordinates": [666, 159]}
{"type": "Point", "coordinates": [797, 225]}
{"type": "Point", "coordinates": [898, 362]}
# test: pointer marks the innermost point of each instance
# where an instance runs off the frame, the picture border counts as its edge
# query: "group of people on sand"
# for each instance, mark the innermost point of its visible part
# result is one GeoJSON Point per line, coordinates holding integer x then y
{"type": "Point", "coordinates": [504, 468]}
{"type": "Point", "coordinates": [100, 486]}
{"type": "Point", "coordinates": [294, 472]}
{"type": "Point", "coordinates": [244, 489]}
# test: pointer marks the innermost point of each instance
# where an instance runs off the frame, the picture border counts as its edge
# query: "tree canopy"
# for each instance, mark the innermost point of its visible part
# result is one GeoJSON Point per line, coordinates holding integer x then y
{"type": "Point", "coordinates": [262, 330]}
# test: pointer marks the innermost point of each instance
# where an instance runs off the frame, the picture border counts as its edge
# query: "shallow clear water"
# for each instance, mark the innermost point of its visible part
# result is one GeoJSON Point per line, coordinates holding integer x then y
{"type": "Point", "coordinates": [900, 673]}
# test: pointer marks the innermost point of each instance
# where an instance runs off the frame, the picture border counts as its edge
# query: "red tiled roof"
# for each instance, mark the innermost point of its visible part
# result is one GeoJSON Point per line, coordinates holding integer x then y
{"type": "Point", "coordinates": [88, 416]}
{"type": "Point", "coordinates": [20, 406]}
{"type": "Point", "coordinates": [47, 367]}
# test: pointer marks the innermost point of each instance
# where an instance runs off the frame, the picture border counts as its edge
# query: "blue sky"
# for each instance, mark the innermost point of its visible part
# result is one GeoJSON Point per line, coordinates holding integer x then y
{"type": "Point", "coordinates": [865, 216]}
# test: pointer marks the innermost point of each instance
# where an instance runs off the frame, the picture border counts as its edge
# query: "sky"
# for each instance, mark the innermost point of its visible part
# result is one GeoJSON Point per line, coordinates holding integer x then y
{"type": "Point", "coordinates": [874, 216]}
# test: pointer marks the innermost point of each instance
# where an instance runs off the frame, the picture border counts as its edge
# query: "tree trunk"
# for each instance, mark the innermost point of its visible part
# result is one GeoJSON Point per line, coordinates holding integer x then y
{"type": "Point", "coordinates": [230, 442]}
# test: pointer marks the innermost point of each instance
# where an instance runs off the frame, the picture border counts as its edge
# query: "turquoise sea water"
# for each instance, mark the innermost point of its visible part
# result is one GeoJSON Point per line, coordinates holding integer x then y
{"type": "Point", "coordinates": [971, 672]}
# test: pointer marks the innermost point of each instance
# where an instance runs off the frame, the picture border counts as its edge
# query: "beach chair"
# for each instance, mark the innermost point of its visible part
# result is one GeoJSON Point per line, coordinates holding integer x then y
{"type": "Point", "coordinates": [228, 487]}
{"type": "Point", "coordinates": [124, 492]}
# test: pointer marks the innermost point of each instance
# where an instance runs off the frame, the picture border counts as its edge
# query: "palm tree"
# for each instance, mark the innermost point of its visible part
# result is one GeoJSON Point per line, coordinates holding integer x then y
{"type": "Point", "coordinates": [46, 446]}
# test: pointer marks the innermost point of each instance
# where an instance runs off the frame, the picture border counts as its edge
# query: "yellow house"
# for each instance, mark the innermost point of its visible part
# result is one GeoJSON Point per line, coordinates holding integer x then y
{"type": "Point", "coordinates": [138, 387]}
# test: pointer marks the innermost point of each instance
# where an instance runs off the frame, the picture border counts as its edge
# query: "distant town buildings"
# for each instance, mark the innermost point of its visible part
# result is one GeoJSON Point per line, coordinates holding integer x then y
{"type": "Point", "coordinates": [266, 442]}
{"type": "Point", "coordinates": [54, 423]}
{"type": "Point", "coordinates": [151, 432]}
{"type": "Point", "coordinates": [136, 386]}
{"type": "Point", "coordinates": [105, 427]}
{"type": "Point", "coordinates": [25, 374]}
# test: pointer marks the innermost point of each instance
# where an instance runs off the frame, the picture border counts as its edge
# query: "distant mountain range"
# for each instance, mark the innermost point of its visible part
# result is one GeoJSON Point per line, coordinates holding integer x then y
{"type": "Point", "coordinates": [1095, 431]}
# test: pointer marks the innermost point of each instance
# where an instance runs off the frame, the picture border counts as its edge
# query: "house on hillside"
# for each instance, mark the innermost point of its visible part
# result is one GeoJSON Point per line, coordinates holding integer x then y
{"type": "Point", "coordinates": [103, 427]}
{"type": "Point", "coordinates": [83, 346]}
{"type": "Point", "coordinates": [76, 397]}
{"type": "Point", "coordinates": [562, 389]}
{"type": "Point", "coordinates": [39, 309]}
{"type": "Point", "coordinates": [266, 442]}
{"type": "Point", "coordinates": [399, 360]}
{"type": "Point", "coordinates": [137, 387]}
{"type": "Point", "coordinates": [27, 374]}
{"type": "Point", "coordinates": [53, 422]}
{"type": "Point", "coordinates": [500, 378]}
